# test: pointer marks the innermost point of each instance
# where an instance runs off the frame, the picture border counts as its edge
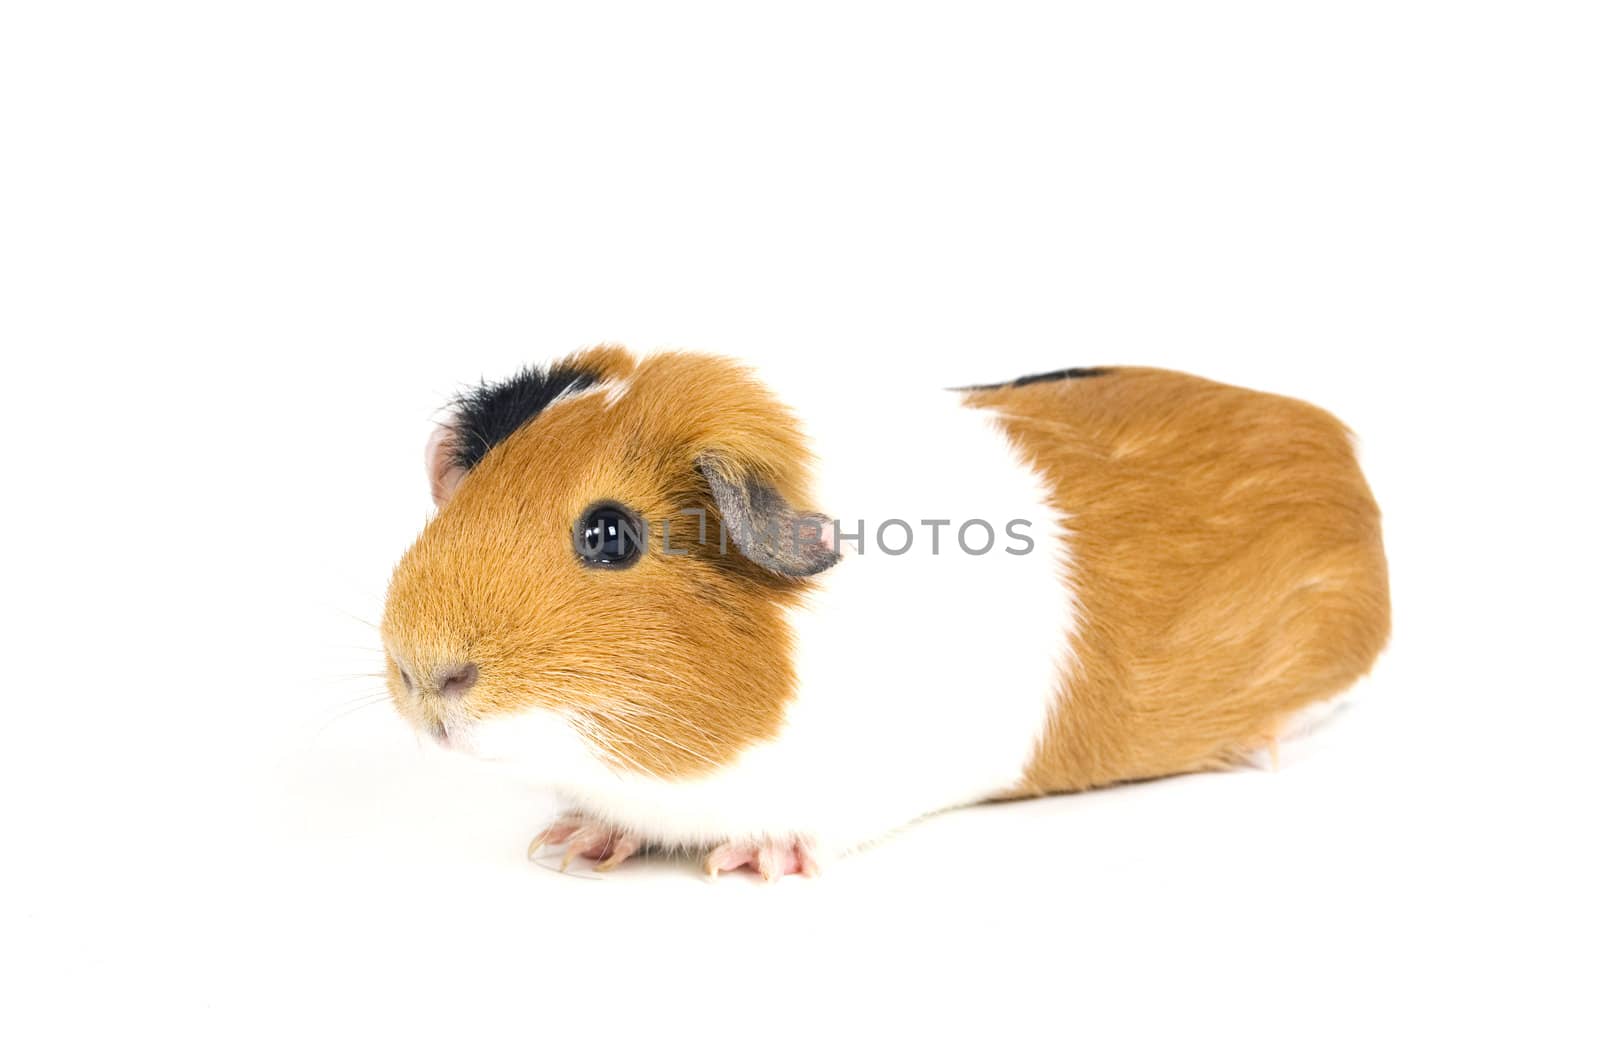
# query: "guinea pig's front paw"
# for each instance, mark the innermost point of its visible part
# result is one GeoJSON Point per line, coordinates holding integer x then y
{"type": "Point", "coordinates": [586, 837]}
{"type": "Point", "coordinates": [771, 858]}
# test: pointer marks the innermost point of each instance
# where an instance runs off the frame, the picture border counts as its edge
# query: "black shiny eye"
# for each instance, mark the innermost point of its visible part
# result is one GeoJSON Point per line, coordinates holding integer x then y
{"type": "Point", "coordinates": [609, 535]}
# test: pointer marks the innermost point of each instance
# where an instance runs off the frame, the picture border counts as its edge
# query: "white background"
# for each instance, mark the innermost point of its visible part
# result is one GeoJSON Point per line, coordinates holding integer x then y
{"type": "Point", "coordinates": [247, 250]}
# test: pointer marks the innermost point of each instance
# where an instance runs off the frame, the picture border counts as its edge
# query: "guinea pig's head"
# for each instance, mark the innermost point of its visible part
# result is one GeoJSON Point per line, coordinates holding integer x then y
{"type": "Point", "coordinates": [605, 581]}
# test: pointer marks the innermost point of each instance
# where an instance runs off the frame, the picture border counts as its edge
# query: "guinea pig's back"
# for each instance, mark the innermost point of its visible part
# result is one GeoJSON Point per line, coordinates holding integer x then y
{"type": "Point", "coordinates": [1227, 566]}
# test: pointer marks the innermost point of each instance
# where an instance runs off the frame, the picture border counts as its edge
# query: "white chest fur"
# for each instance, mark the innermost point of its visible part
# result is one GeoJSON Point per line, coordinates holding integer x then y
{"type": "Point", "coordinates": [926, 677]}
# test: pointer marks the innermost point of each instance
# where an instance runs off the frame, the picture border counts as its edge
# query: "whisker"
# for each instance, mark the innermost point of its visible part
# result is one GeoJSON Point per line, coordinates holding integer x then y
{"type": "Point", "coordinates": [353, 617]}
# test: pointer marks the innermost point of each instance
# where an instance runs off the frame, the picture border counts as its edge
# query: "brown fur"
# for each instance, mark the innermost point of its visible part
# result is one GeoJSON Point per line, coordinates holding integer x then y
{"type": "Point", "coordinates": [693, 651]}
{"type": "Point", "coordinates": [1229, 568]}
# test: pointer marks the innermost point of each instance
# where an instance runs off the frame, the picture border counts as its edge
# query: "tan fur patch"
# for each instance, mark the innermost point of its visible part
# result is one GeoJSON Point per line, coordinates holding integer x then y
{"type": "Point", "coordinates": [670, 666]}
{"type": "Point", "coordinates": [1229, 568]}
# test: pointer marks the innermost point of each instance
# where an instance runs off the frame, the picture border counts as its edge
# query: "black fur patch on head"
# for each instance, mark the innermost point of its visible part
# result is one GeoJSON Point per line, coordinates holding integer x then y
{"type": "Point", "coordinates": [490, 412]}
{"type": "Point", "coordinates": [1040, 378]}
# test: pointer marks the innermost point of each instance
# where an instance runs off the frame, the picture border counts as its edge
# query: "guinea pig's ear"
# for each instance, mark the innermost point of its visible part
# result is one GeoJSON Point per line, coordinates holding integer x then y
{"type": "Point", "coordinates": [764, 527]}
{"type": "Point", "coordinates": [444, 473]}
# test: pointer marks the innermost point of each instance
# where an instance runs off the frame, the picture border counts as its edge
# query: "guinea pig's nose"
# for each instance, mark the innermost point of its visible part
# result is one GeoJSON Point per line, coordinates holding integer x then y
{"type": "Point", "coordinates": [457, 680]}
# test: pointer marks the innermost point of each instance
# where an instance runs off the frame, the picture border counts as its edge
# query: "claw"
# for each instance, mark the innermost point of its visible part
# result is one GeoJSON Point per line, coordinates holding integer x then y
{"type": "Point", "coordinates": [622, 848]}
{"type": "Point", "coordinates": [587, 841]}
{"type": "Point", "coordinates": [557, 833]}
{"type": "Point", "coordinates": [586, 838]}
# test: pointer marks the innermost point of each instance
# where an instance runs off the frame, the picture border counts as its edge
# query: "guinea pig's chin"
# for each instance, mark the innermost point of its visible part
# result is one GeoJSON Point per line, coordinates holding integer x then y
{"type": "Point", "coordinates": [535, 738]}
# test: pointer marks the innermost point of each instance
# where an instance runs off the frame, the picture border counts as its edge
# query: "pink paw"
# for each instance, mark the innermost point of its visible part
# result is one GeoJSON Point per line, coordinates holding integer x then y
{"type": "Point", "coordinates": [586, 837]}
{"type": "Point", "coordinates": [770, 858]}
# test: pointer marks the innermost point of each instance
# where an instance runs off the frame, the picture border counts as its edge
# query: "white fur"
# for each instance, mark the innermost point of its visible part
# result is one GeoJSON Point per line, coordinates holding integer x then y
{"type": "Point", "coordinates": [576, 389]}
{"type": "Point", "coordinates": [613, 391]}
{"type": "Point", "coordinates": [925, 679]}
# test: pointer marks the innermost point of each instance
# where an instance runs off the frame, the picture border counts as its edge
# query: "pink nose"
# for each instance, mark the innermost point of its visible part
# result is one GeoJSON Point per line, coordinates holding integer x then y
{"type": "Point", "coordinates": [457, 680]}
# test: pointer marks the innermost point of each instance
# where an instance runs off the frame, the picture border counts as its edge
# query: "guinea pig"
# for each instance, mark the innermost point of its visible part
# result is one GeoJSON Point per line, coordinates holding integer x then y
{"type": "Point", "coordinates": [767, 635]}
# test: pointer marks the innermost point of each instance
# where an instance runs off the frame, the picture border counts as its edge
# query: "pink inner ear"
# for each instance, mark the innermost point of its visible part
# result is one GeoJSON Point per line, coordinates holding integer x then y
{"type": "Point", "coordinates": [444, 476]}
